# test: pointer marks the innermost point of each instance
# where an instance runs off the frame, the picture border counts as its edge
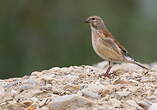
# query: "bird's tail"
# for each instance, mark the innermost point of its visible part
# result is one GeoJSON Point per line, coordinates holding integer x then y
{"type": "Point", "coordinates": [141, 65]}
{"type": "Point", "coordinates": [131, 60]}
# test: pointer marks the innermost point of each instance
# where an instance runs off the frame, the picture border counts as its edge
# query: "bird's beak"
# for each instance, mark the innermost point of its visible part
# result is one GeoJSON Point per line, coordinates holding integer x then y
{"type": "Point", "coordinates": [87, 21]}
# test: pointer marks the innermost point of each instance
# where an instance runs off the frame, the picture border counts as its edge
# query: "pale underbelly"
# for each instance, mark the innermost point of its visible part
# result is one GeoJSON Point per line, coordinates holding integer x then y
{"type": "Point", "coordinates": [106, 53]}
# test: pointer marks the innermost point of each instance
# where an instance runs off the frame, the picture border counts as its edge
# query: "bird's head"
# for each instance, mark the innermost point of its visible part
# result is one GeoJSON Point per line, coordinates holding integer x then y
{"type": "Point", "coordinates": [95, 22]}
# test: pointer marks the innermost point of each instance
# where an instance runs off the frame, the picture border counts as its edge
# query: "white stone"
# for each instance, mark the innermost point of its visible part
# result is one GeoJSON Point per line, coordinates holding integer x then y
{"type": "Point", "coordinates": [145, 104]}
{"type": "Point", "coordinates": [69, 102]}
{"type": "Point", "coordinates": [115, 102]}
{"type": "Point", "coordinates": [134, 104]}
{"type": "Point", "coordinates": [153, 106]}
{"type": "Point", "coordinates": [14, 92]}
{"type": "Point", "coordinates": [123, 93]}
{"type": "Point", "coordinates": [91, 94]}
{"type": "Point", "coordinates": [2, 92]}
{"type": "Point", "coordinates": [94, 87]}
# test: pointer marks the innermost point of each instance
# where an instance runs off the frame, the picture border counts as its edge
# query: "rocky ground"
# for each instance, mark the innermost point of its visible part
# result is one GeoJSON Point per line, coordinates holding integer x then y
{"type": "Point", "coordinates": [82, 88]}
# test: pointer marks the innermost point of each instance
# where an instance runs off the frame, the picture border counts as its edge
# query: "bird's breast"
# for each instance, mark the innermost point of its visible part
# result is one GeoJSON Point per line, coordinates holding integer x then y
{"type": "Point", "coordinates": [96, 44]}
{"type": "Point", "coordinates": [103, 51]}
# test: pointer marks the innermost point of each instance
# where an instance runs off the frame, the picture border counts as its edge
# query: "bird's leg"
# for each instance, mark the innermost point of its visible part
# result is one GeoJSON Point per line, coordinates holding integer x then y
{"type": "Point", "coordinates": [108, 70]}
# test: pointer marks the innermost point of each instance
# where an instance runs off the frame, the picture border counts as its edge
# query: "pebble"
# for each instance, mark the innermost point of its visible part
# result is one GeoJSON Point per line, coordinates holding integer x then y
{"type": "Point", "coordinates": [81, 88]}
{"type": "Point", "coordinates": [2, 92]}
{"type": "Point", "coordinates": [91, 94]}
{"type": "Point", "coordinates": [69, 102]}
{"type": "Point", "coordinates": [144, 104]}
{"type": "Point", "coordinates": [153, 106]}
{"type": "Point", "coordinates": [107, 90]}
{"type": "Point", "coordinates": [123, 93]}
{"type": "Point", "coordinates": [115, 103]}
{"type": "Point", "coordinates": [134, 104]}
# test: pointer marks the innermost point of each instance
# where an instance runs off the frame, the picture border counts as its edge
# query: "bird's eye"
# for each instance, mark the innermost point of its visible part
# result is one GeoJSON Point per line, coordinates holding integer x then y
{"type": "Point", "coordinates": [93, 18]}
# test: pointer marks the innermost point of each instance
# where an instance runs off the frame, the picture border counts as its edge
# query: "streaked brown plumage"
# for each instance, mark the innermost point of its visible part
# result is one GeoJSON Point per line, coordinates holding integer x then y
{"type": "Point", "coordinates": [106, 46]}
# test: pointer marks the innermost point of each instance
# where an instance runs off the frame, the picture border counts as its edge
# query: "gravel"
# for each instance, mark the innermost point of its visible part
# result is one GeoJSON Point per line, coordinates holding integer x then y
{"type": "Point", "coordinates": [129, 87]}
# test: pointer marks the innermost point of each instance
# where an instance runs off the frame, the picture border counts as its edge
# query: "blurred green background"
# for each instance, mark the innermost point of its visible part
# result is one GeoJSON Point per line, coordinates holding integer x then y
{"type": "Point", "coordinates": [41, 34]}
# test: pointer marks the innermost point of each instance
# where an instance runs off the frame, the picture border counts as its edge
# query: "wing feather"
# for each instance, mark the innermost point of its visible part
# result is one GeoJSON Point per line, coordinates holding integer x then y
{"type": "Point", "coordinates": [112, 42]}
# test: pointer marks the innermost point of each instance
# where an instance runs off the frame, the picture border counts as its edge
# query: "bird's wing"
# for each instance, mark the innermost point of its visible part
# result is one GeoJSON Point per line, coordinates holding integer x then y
{"type": "Point", "coordinates": [120, 46]}
{"type": "Point", "coordinates": [112, 42]}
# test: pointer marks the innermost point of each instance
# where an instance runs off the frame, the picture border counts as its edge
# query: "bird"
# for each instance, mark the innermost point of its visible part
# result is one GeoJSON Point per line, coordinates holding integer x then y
{"type": "Point", "coordinates": [106, 46]}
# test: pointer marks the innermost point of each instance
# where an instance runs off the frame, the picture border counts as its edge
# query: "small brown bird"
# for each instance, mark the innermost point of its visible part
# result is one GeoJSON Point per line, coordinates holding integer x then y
{"type": "Point", "coordinates": [106, 46]}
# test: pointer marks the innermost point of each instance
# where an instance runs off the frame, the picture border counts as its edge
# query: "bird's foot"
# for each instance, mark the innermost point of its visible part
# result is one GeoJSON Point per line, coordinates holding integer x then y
{"type": "Point", "coordinates": [106, 75]}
